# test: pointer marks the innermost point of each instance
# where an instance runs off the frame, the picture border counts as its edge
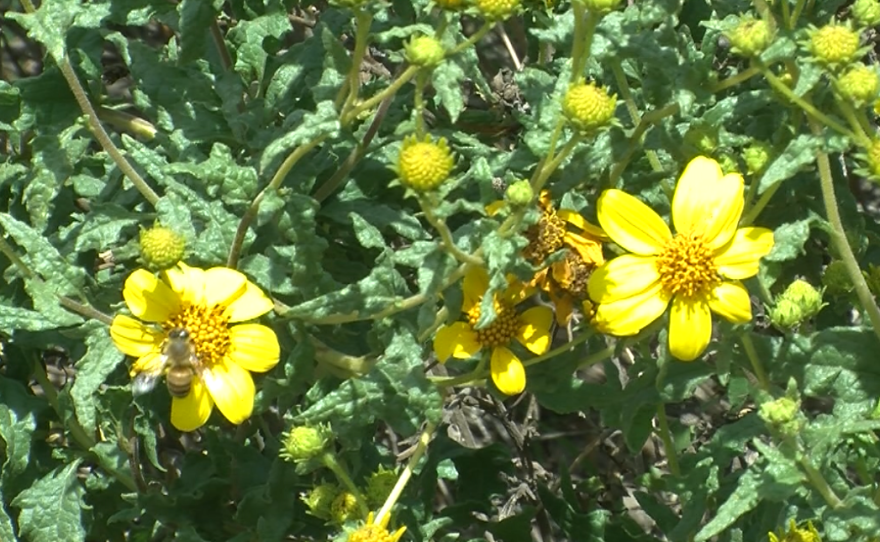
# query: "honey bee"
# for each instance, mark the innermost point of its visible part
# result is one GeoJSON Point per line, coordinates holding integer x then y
{"type": "Point", "coordinates": [179, 362]}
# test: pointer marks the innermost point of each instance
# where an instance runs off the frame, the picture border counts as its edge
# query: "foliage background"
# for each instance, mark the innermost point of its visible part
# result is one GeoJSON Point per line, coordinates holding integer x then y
{"type": "Point", "coordinates": [635, 446]}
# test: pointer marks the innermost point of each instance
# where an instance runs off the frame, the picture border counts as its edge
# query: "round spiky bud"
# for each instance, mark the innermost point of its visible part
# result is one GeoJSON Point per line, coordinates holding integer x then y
{"type": "Point", "coordinates": [834, 45]}
{"type": "Point", "coordinates": [425, 51]}
{"type": "Point", "coordinates": [424, 165]}
{"type": "Point", "coordinates": [375, 532]}
{"type": "Point", "coordinates": [757, 156]}
{"type": "Point", "coordinates": [750, 37]}
{"type": "Point", "coordinates": [520, 193]}
{"type": "Point", "coordinates": [797, 304]}
{"type": "Point", "coordinates": [866, 13]}
{"type": "Point", "coordinates": [497, 10]}
{"type": "Point", "coordinates": [859, 84]}
{"type": "Point", "coordinates": [870, 160]}
{"type": "Point", "coordinates": [304, 443]}
{"type": "Point", "coordinates": [835, 279]}
{"type": "Point", "coordinates": [451, 5]}
{"type": "Point", "coordinates": [728, 163]}
{"type": "Point", "coordinates": [379, 486]}
{"type": "Point", "coordinates": [702, 137]}
{"type": "Point", "coordinates": [588, 107]}
{"type": "Point", "coordinates": [320, 499]}
{"type": "Point", "coordinates": [344, 507]}
{"type": "Point", "coordinates": [161, 247]}
{"type": "Point", "coordinates": [600, 7]}
{"type": "Point", "coordinates": [781, 415]}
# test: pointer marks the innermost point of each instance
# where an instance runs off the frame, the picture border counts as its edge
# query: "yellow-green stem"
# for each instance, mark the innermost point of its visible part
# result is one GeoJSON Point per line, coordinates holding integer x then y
{"type": "Point", "coordinates": [363, 21]}
{"type": "Point", "coordinates": [839, 240]}
{"type": "Point", "coordinates": [128, 122]}
{"type": "Point", "coordinates": [403, 479]}
{"type": "Point", "coordinates": [862, 138]}
{"type": "Point", "coordinates": [419, 102]}
{"type": "Point", "coordinates": [819, 483]}
{"type": "Point", "coordinates": [796, 13]}
{"type": "Point", "coordinates": [635, 139]}
{"type": "Point", "coordinates": [548, 167]}
{"type": "Point", "coordinates": [581, 51]}
{"type": "Point", "coordinates": [474, 38]}
{"type": "Point", "coordinates": [550, 354]}
{"type": "Point", "coordinates": [734, 80]}
{"type": "Point", "coordinates": [755, 361]}
{"type": "Point", "coordinates": [445, 235]}
{"type": "Point", "coordinates": [390, 90]}
{"type": "Point", "coordinates": [329, 461]}
{"type": "Point", "coordinates": [668, 444]}
{"type": "Point", "coordinates": [632, 109]}
{"type": "Point", "coordinates": [754, 211]}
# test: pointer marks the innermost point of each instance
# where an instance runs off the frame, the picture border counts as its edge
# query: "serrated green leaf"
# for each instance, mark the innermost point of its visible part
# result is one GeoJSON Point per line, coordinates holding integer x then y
{"type": "Point", "coordinates": [303, 126]}
{"type": "Point", "coordinates": [789, 240]}
{"type": "Point", "coordinates": [103, 227]}
{"type": "Point", "coordinates": [18, 411]}
{"type": "Point", "coordinates": [253, 41]}
{"type": "Point", "coordinates": [367, 235]}
{"type": "Point", "coordinates": [101, 358]}
{"type": "Point", "coordinates": [51, 509]}
{"type": "Point", "coordinates": [799, 152]}
{"type": "Point", "coordinates": [196, 17]}
{"type": "Point", "coordinates": [447, 79]}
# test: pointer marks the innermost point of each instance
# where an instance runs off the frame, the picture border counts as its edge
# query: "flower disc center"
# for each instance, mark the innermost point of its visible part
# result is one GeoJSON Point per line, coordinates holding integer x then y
{"type": "Point", "coordinates": [686, 266]}
{"type": "Point", "coordinates": [499, 332]}
{"type": "Point", "coordinates": [208, 328]}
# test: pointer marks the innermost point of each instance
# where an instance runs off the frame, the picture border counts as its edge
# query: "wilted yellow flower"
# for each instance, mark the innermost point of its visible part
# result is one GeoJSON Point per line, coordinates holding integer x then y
{"type": "Point", "coordinates": [462, 340]}
{"type": "Point", "coordinates": [204, 303]}
{"type": "Point", "coordinates": [697, 270]}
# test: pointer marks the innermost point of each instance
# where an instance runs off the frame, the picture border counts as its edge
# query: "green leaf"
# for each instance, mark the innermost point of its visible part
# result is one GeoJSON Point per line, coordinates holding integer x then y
{"type": "Point", "coordinates": [51, 509]}
{"type": "Point", "coordinates": [789, 240]}
{"type": "Point", "coordinates": [50, 24]}
{"type": "Point", "coordinates": [799, 152]}
{"type": "Point", "coordinates": [367, 235]}
{"type": "Point", "coordinates": [196, 17]}
{"type": "Point", "coordinates": [18, 411]}
{"type": "Point", "coordinates": [101, 358]}
{"type": "Point", "coordinates": [255, 40]}
{"type": "Point", "coordinates": [301, 127]}
{"type": "Point", "coordinates": [447, 79]}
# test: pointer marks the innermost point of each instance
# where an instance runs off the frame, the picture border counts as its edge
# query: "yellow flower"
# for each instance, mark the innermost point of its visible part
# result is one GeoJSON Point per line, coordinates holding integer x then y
{"type": "Point", "coordinates": [794, 534]}
{"type": "Point", "coordinates": [205, 303]}
{"type": "Point", "coordinates": [375, 532]}
{"type": "Point", "coordinates": [688, 269]}
{"type": "Point", "coordinates": [462, 340]}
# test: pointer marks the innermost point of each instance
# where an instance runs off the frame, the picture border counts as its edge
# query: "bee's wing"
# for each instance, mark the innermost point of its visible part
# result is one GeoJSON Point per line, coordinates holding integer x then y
{"type": "Point", "coordinates": [144, 383]}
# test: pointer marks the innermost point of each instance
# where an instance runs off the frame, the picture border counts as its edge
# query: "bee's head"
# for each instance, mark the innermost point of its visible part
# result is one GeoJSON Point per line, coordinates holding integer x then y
{"type": "Point", "coordinates": [179, 333]}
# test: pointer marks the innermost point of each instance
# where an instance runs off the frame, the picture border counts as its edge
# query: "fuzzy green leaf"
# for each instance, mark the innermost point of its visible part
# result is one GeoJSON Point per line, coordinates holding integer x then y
{"type": "Point", "coordinates": [51, 509]}
{"type": "Point", "coordinates": [101, 359]}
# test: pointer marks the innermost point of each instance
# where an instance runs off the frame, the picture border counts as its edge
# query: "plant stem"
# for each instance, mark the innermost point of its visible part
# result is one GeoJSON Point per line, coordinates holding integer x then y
{"type": "Point", "coordinates": [623, 88]}
{"type": "Point", "coordinates": [128, 122]}
{"type": "Point", "coordinates": [819, 483]}
{"type": "Point", "coordinates": [668, 445]}
{"type": "Point", "coordinates": [474, 38]}
{"type": "Point", "coordinates": [734, 80]}
{"type": "Point", "coordinates": [419, 103]}
{"type": "Point", "coordinates": [363, 20]}
{"type": "Point", "coordinates": [755, 361]}
{"type": "Point", "coordinates": [445, 235]}
{"type": "Point", "coordinates": [755, 210]}
{"type": "Point", "coordinates": [403, 479]}
{"type": "Point", "coordinates": [581, 50]}
{"type": "Point", "coordinates": [329, 461]}
{"type": "Point", "coordinates": [389, 91]}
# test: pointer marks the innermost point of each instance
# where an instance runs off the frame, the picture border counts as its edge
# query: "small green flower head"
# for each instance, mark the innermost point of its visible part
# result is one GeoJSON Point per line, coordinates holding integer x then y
{"type": "Point", "coordinates": [425, 51]}
{"type": "Point", "coordinates": [343, 508]}
{"type": "Point", "coordinates": [702, 137]}
{"type": "Point", "coordinates": [835, 279]}
{"type": "Point", "coordinates": [161, 247]}
{"type": "Point", "coordinates": [757, 156]}
{"type": "Point", "coordinates": [785, 315]}
{"type": "Point", "coordinates": [304, 442]}
{"type": "Point", "coordinates": [497, 10]}
{"type": "Point", "coordinates": [866, 13]}
{"type": "Point", "coordinates": [424, 165]}
{"type": "Point", "coordinates": [834, 45]}
{"type": "Point", "coordinates": [781, 415]}
{"type": "Point", "coordinates": [797, 304]}
{"type": "Point", "coordinates": [728, 163]}
{"type": "Point", "coordinates": [869, 160]}
{"type": "Point", "coordinates": [320, 499]}
{"type": "Point", "coordinates": [859, 84]}
{"type": "Point", "coordinates": [520, 193]}
{"type": "Point", "coordinates": [872, 277]}
{"type": "Point", "coordinates": [451, 5]}
{"type": "Point", "coordinates": [750, 37]}
{"type": "Point", "coordinates": [600, 7]}
{"type": "Point", "coordinates": [379, 487]}
{"type": "Point", "coordinates": [588, 107]}
{"type": "Point", "coordinates": [795, 534]}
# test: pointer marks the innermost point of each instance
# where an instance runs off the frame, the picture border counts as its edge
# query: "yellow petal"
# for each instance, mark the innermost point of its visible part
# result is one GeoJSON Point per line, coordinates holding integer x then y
{"type": "Point", "coordinates": [630, 315]}
{"type": "Point", "coordinates": [577, 220]}
{"type": "Point", "coordinates": [232, 390]}
{"type": "Point", "coordinates": [149, 298]}
{"type": "Point", "coordinates": [588, 249]}
{"type": "Point", "coordinates": [564, 308]}
{"type": "Point", "coordinates": [253, 347]}
{"type": "Point", "coordinates": [690, 327]}
{"type": "Point", "coordinates": [150, 363]}
{"type": "Point", "coordinates": [534, 330]}
{"type": "Point", "coordinates": [739, 258]}
{"type": "Point", "coordinates": [508, 372]}
{"type": "Point", "coordinates": [179, 279]}
{"type": "Point", "coordinates": [456, 340]}
{"type": "Point", "coordinates": [493, 208]}
{"type": "Point", "coordinates": [707, 202]}
{"type": "Point", "coordinates": [632, 224]}
{"type": "Point", "coordinates": [475, 284]}
{"type": "Point", "coordinates": [191, 412]}
{"type": "Point", "coordinates": [251, 303]}
{"type": "Point", "coordinates": [730, 300]}
{"type": "Point", "coordinates": [623, 277]}
{"type": "Point", "coordinates": [222, 286]}
{"type": "Point", "coordinates": [133, 338]}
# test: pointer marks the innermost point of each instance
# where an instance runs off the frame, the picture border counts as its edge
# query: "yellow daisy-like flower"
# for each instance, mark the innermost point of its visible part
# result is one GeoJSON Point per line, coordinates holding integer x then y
{"type": "Point", "coordinates": [795, 534]}
{"type": "Point", "coordinates": [205, 303]}
{"type": "Point", "coordinates": [376, 532]}
{"type": "Point", "coordinates": [697, 270]}
{"type": "Point", "coordinates": [462, 340]}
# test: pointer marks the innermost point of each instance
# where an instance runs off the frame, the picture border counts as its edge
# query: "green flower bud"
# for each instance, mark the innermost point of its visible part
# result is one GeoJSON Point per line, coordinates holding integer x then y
{"type": "Point", "coordinates": [800, 301]}
{"type": "Point", "coordinates": [781, 415]}
{"type": "Point", "coordinates": [785, 315]}
{"type": "Point", "coordinates": [320, 500]}
{"type": "Point", "coordinates": [304, 443]}
{"type": "Point", "coordinates": [702, 137]}
{"type": "Point", "coordinates": [757, 156]}
{"type": "Point", "coordinates": [588, 107]}
{"type": "Point", "coordinates": [859, 84]}
{"type": "Point", "coordinates": [425, 51]}
{"type": "Point", "coordinates": [871, 156]}
{"type": "Point", "coordinates": [835, 279]}
{"type": "Point", "coordinates": [875, 414]}
{"type": "Point", "coordinates": [424, 165]}
{"type": "Point", "coordinates": [750, 37]}
{"type": "Point", "coordinates": [161, 248]}
{"type": "Point", "coordinates": [834, 45]}
{"type": "Point", "coordinates": [520, 193]}
{"type": "Point", "coordinates": [866, 13]}
{"type": "Point", "coordinates": [872, 278]}
{"type": "Point", "coordinates": [497, 10]}
{"type": "Point", "coordinates": [600, 7]}
{"type": "Point", "coordinates": [379, 487]}
{"type": "Point", "coordinates": [343, 508]}
{"type": "Point", "coordinates": [728, 163]}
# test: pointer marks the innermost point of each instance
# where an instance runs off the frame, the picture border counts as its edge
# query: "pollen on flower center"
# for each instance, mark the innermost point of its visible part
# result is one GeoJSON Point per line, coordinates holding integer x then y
{"type": "Point", "coordinates": [499, 332]}
{"type": "Point", "coordinates": [208, 327]}
{"type": "Point", "coordinates": [686, 266]}
{"type": "Point", "coordinates": [545, 237]}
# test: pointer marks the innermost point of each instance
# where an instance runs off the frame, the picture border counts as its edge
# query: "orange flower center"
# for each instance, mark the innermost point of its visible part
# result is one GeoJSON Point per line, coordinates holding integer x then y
{"type": "Point", "coordinates": [686, 266]}
{"type": "Point", "coordinates": [208, 327]}
{"type": "Point", "coordinates": [501, 331]}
